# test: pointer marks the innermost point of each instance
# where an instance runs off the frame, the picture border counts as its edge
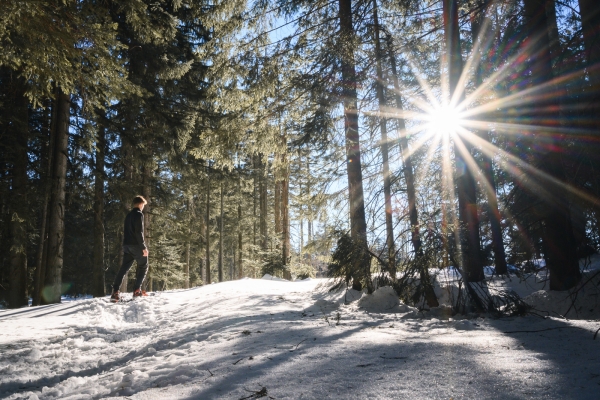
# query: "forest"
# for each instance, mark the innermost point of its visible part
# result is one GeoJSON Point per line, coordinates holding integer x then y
{"type": "Point", "coordinates": [369, 141]}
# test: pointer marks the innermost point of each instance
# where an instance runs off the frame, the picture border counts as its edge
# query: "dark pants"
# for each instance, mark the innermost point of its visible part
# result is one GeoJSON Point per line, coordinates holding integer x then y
{"type": "Point", "coordinates": [131, 254]}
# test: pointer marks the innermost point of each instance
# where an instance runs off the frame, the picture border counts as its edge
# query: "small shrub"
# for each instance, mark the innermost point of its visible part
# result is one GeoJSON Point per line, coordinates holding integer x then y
{"type": "Point", "coordinates": [273, 264]}
{"type": "Point", "coordinates": [351, 262]}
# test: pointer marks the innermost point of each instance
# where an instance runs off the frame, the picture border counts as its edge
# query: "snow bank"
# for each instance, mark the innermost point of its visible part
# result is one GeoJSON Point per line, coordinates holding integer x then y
{"type": "Point", "coordinates": [273, 278]}
{"type": "Point", "coordinates": [382, 300]}
{"type": "Point", "coordinates": [582, 302]}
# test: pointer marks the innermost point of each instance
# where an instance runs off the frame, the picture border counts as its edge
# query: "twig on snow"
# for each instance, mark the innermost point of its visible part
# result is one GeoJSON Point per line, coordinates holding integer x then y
{"type": "Point", "coordinates": [547, 329]}
{"type": "Point", "coordinates": [257, 394]}
{"type": "Point", "coordinates": [299, 344]}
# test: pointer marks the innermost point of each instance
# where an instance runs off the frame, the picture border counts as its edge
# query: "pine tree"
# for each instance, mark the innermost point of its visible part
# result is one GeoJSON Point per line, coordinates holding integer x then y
{"type": "Point", "coordinates": [559, 243]}
{"type": "Point", "coordinates": [465, 182]}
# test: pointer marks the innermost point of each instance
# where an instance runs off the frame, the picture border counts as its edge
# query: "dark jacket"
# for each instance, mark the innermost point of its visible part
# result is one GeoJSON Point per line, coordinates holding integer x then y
{"type": "Point", "coordinates": [133, 234]}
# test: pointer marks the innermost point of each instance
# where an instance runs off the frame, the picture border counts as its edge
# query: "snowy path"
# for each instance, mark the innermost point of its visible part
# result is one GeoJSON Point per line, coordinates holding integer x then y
{"type": "Point", "coordinates": [226, 340]}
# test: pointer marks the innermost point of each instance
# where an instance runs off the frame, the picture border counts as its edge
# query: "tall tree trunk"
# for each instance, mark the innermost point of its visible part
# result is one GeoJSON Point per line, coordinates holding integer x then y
{"type": "Point", "coordinates": [559, 242]}
{"type": "Point", "coordinates": [590, 21]}
{"type": "Point", "coordinates": [123, 287]}
{"type": "Point", "coordinates": [301, 215]}
{"type": "Point", "coordinates": [208, 277]}
{"type": "Point", "coordinates": [186, 271]}
{"type": "Point", "coordinates": [98, 287]}
{"type": "Point", "coordinates": [384, 145]}
{"type": "Point", "coordinates": [129, 182]}
{"type": "Point", "coordinates": [17, 295]}
{"type": "Point", "coordinates": [472, 265]}
{"type": "Point", "coordinates": [285, 212]}
{"type": "Point", "coordinates": [409, 178]}
{"type": "Point", "coordinates": [309, 219]}
{"type": "Point", "coordinates": [553, 35]}
{"type": "Point", "coordinates": [487, 166]}
{"type": "Point", "coordinates": [358, 223]}
{"type": "Point", "coordinates": [254, 202]}
{"type": "Point", "coordinates": [221, 217]}
{"type": "Point", "coordinates": [148, 181]}
{"type": "Point", "coordinates": [263, 205]}
{"type": "Point", "coordinates": [40, 269]}
{"type": "Point", "coordinates": [240, 264]}
{"type": "Point", "coordinates": [56, 223]}
{"type": "Point", "coordinates": [231, 264]}
{"type": "Point", "coordinates": [277, 206]}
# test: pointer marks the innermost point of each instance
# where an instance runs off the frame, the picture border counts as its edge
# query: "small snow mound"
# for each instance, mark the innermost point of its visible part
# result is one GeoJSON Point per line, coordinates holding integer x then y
{"type": "Point", "coordinates": [582, 302]}
{"type": "Point", "coordinates": [383, 299]}
{"type": "Point", "coordinates": [34, 355]}
{"type": "Point", "coordinates": [272, 278]}
{"type": "Point", "coordinates": [352, 295]}
{"type": "Point", "coordinates": [322, 306]}
{"type": "Point", "coordinates": [464, 325]}
{"type": "Point", "coordinates": [441, 312]}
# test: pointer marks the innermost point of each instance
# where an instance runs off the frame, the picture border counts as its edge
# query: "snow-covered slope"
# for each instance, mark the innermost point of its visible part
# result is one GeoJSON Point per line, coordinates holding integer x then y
{"type": "Point", "coordinates": [295, 340]}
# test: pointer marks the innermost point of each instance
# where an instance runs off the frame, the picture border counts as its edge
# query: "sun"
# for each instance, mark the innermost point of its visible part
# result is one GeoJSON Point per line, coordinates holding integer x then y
{"type": "Point", "coordinates": [444, 121]}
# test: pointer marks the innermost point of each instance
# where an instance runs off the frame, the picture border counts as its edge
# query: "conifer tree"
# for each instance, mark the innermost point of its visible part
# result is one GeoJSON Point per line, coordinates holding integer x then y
{"type": "Point", "coordinates": [559, 243]}
{"type": "Point", "coordinates": [465, 182]}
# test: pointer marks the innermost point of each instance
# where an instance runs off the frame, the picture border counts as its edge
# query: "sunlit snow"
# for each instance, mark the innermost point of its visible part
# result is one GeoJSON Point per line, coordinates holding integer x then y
{"type": "Point", "coordinates": [295, 339]}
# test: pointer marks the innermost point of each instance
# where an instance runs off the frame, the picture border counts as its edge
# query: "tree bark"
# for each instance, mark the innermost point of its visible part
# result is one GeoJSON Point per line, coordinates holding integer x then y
{"type": "Point", "coordinates": [285, 213]}
{"type": "Point", "coordinates": [590, 21]}
{"type": "Point", "coordinates": [254, 203]}
{"type": "Point", "coordinates": [301, 214]}
{"type": "Point", "coordinates": [129, 181]}
{"type": "Point", "coordinates": [384, 145]}
{"type": "Point", "coordinates": [358, 224]}
{"type": "Point", "coordinates": [277, 207]}
{"type": "Point", "coordinates": [472, 266]}
{"type": "Point", "coordinates": [208, 277]}
{"type": "Point", "coordinates": [221, 218]}
{"type": "Point", "coordinates": [487, 166]}
{"type": "Point", "coordinates": [559, 242]}
{"type": "Point", "coordinates": [123, 287]}
{"type": "Point", "coordinates": [148, 180]}
{"type": "Point", "coordinates": [98, 287]}
{"type": "Point", "coordinates": [186, 271]}
{"type": "Point", "coordinates": [56, 224]}
{"type": "Point", "coordinates": [263, 205]}
{"type": "Point", "coordinates": [553, 35]}
{"type": "Point", "coordinates": [310, 216]}
{"type": "Point", "coordinates": [40, 269]}
{"type": "Point", "coordinates": [240, 263]}
{"type": "Point", "coordinates": [17, 295]}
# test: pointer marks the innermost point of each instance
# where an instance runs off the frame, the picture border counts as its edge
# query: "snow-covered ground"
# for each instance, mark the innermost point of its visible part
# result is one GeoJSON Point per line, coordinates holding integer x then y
{"type": "Point", "coordinates": [295, 340]}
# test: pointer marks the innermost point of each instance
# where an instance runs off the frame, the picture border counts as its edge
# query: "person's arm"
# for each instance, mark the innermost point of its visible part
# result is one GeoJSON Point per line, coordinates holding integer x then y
{"type": "Point", "coordinates": [139, 230]}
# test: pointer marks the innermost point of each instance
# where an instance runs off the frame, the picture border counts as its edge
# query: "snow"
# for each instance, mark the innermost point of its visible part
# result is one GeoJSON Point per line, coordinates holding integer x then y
{"type": "Point", "coordinates": [295, 339]}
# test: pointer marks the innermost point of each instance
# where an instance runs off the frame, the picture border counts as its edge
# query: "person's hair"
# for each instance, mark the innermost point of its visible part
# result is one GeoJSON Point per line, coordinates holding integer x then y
{"type": "Point", "coordinates": [139, 200]}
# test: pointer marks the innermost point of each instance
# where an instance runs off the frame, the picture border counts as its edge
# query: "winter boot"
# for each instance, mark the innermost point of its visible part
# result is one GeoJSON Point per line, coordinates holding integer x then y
{"type": "Point", "coordinates": [139, 293]}
{"type": "Point", "coordinates": [115, 297]}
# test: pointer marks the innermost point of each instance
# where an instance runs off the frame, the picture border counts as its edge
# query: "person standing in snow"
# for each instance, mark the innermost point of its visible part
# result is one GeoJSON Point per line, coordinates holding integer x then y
{"type": "Point", "coordinates": [134, 249]}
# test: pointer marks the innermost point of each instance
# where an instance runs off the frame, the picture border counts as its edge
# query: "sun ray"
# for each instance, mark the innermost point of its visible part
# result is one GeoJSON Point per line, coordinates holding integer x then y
{"type": "Point", "coordinates": [519, 167]}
